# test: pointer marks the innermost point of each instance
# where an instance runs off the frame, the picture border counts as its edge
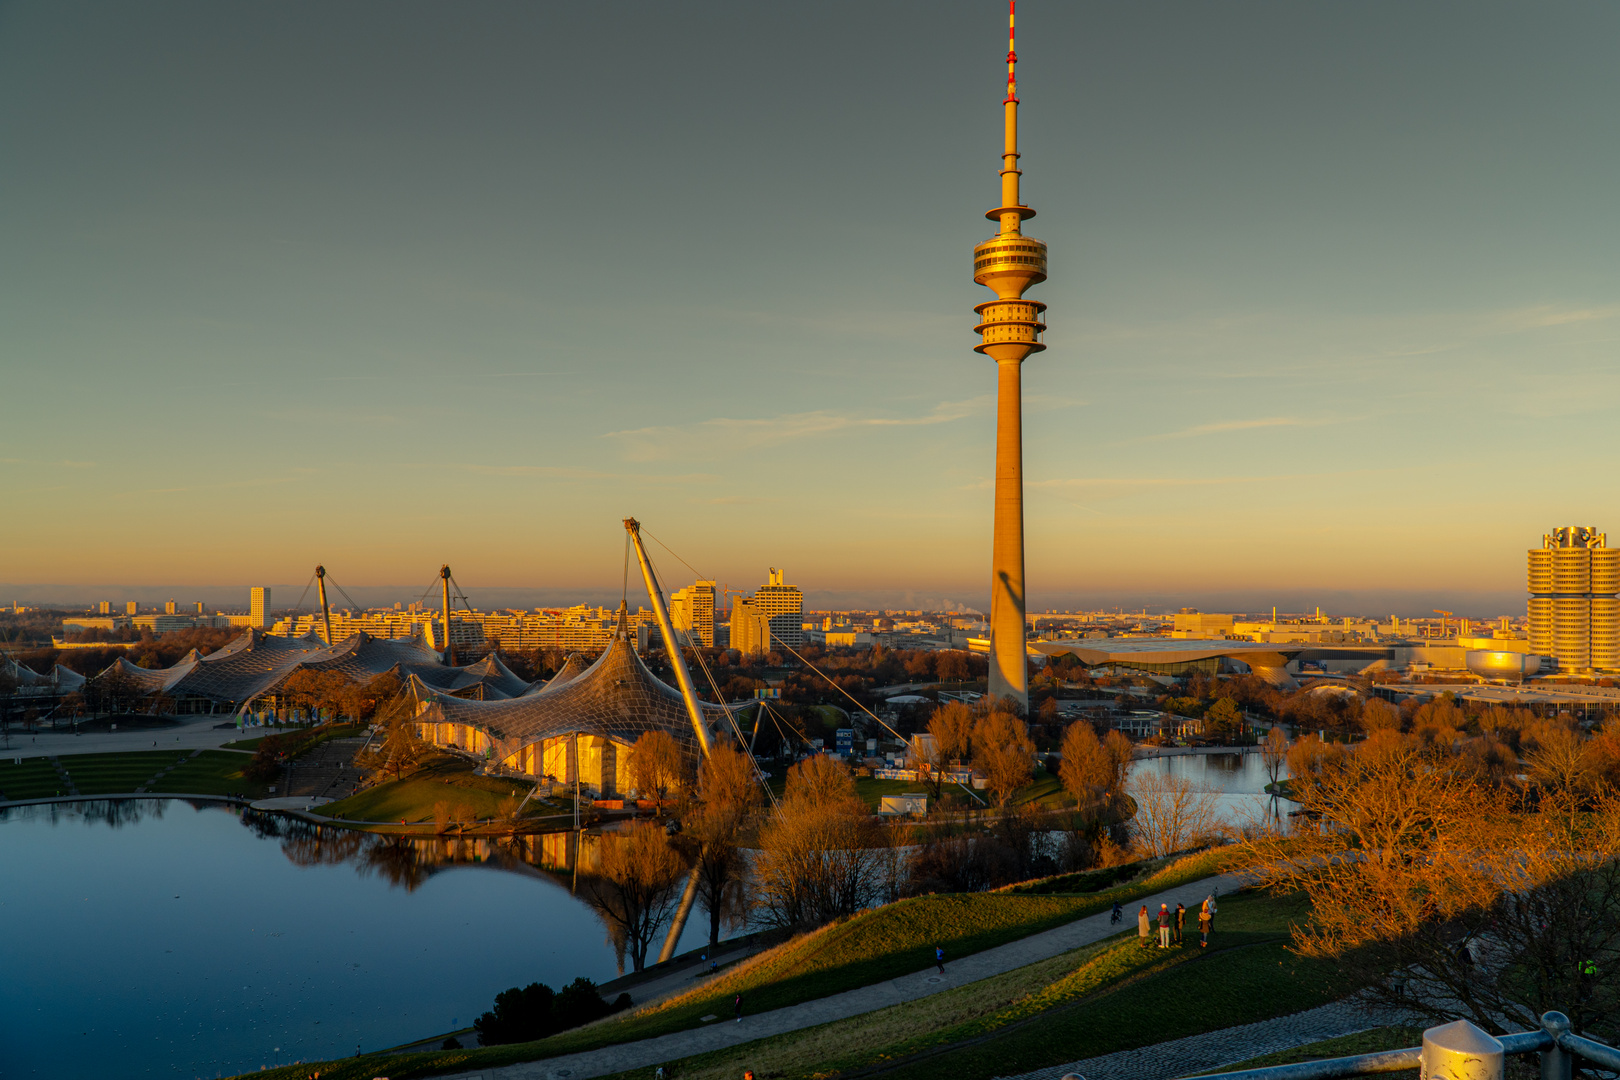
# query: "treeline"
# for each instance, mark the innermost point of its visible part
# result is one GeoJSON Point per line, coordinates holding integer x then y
{"type": "Point", "coordinates": [150, 651]}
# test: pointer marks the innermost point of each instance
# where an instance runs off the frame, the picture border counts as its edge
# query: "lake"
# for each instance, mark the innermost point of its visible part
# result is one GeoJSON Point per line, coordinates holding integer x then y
{"type": "Point", "coordinates": [166, 938]}
{"type": "Point", "coordinates": [1239, 781]}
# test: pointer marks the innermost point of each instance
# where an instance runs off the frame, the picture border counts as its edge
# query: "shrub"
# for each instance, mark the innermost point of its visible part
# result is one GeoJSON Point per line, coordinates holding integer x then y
{"type": "Point", "coordinates": [533, 1012]}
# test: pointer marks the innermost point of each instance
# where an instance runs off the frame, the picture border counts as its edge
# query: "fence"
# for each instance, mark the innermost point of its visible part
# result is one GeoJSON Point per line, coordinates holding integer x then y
{"type": "Point", "coordinates": [1458, 1051]}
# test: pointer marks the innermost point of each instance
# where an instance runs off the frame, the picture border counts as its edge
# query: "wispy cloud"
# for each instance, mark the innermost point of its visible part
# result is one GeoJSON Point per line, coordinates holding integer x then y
{"type": "Point", "coordinates": [572, 472]}
{"type": "Point", "coordinates": [1223, 426]}
{"type": "Point", "coordinates": [59, 464]}
{"type": "Point", "coordinates": [729, 435]}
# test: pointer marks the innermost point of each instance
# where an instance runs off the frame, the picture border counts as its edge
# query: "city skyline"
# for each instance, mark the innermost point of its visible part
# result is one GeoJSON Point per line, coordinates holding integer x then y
{"type": "Point", "coordinates": [1337, 298]}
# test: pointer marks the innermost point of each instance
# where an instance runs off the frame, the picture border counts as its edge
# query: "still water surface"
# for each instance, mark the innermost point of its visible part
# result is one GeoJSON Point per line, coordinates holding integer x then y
{"type": "Point", "coordinates": [1238, 780]}
{"type": "Point", "coordinates": [164, 938]}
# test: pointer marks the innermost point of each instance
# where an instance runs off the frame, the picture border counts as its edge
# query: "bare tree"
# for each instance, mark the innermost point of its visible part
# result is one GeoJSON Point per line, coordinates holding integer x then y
{"type": "Point", "coordinates": [1093, 771]}
{"type": "Point", "coordinates": [821, 857]}
{"type": "Point", "coordinates": [656, 767]}
{"type": "Point", "coordinates": [1274, 753]}
{"type": "Point", "coordinates": [1171, 812]}
{"type": "Point", "coordinates": [1004, 753]}
{"type": "Point", "coordinates": [728, 791]}
{"type": "Point", "coordinates": [636, 886]}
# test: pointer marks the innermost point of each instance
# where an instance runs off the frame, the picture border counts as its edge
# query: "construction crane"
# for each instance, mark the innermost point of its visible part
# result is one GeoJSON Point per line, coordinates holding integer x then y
{"type": "Point", "coordinates": [683, 679]}
{"type": "Point", "coordinates": [1444, 615]}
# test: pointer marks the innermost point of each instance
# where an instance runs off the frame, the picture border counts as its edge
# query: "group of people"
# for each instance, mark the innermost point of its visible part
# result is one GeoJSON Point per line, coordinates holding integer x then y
{"type": "Point", "coordinates": [1173, 923]}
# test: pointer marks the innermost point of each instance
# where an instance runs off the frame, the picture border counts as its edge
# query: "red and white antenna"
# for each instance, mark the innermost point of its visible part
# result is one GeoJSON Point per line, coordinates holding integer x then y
{"type": "Point", "coordinates": [1012, 52]}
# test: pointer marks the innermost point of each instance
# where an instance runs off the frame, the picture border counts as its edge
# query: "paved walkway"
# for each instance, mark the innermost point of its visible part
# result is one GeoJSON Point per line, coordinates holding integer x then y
{"type": "Point", "coordinates": [725, 1032]}
{"type": "Point", "coordinates": [1213, 1049]}
{"type": "Point", "coordinates": [190, 734]}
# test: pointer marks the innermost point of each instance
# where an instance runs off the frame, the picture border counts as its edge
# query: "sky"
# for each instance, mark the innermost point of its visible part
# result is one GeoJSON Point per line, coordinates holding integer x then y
{"type": "Point", "coordinates": [1333, 307]}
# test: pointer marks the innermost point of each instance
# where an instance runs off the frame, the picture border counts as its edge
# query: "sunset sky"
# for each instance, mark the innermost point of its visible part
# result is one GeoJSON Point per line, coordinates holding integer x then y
{"type": "Point", "coordinates": [1334, 299]}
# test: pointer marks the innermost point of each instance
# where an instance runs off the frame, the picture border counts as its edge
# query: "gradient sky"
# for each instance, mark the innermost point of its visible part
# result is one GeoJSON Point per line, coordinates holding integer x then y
{"type": "Point", "coordinates": [1334, 302]}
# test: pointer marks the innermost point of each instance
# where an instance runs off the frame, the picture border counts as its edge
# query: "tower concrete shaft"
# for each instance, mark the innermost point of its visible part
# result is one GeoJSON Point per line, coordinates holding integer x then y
{"type": "Point", "coordinates": [1010, 328]}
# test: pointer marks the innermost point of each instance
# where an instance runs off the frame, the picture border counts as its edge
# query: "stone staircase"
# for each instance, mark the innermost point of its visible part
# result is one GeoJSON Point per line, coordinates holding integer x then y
{"type": "Point", "coordinates": [327, 771]}
{"type": "Point", "coordinates": [161, 773]}
{"type": "Point", "coordinates": [62, 775]}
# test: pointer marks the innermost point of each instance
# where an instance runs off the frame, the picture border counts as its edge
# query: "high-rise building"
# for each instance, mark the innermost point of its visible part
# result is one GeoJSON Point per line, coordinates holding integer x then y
{"type": "Point", "coordinates": [783, 605]}
{"type": "Point", "coordinates": [750, 628]}
{"type": "Point", "coordinates": [1011, 327]}
{"type": "Point", "coordinates": [199, 607]}
{"type": "Point", "coordinates": [259, 607]}
{"type": "Point", "coordinates": [168, 607]}
{"type": "Point", "coordinates": [130, 607]}
{"type": "Point", "coordinates": [106, 607]}
{"type": "Point", "coordinates": [691, 610]}
{"type": "Point", "coordinates": [1574, 612]}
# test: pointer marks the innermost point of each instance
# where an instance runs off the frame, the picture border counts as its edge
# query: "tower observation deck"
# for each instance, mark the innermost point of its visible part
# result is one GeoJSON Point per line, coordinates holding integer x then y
{"type": "Point", "coordinates": [1010, 328]}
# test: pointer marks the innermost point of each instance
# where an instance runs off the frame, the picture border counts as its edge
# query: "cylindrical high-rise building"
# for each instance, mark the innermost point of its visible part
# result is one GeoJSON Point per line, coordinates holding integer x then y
{"type": "Point", "coordinates": [1574, 612]}
{"type": "Point", "coordinates": [1011, 327]}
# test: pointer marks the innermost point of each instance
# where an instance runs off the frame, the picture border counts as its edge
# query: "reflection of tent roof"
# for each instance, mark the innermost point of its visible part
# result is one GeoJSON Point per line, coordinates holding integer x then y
{"type": "Point", "coordinates": [616, 698]}
{"type": "Point", "coordinates": [256, 664]}
{"type": "Point", "coordinates": [572, 668]}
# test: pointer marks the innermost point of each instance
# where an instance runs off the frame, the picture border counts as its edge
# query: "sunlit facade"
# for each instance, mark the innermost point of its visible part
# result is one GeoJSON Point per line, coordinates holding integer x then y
{"type": "Point", "coordinates": [1574, 612]}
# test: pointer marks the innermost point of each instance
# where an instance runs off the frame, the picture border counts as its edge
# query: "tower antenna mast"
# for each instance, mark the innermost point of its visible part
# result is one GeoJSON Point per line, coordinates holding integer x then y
{"type": "Point", "coordinates": [1010, 328]}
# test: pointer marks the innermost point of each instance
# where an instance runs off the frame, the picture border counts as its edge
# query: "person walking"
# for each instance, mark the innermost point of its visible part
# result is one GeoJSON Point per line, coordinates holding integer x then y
{"type": "Point", "coordinates": [939, 958]}
{"type": "Point", "coordinates": [1142, 926]}
{"type": "Point", "coordinates": [1119, 913]}
{"type": "Point", "coordinates": [737, 1005]}
{"type": "Point", "coordinates": [1205, 920]}
{"type": "Point", "coordinates": [1181, 921]}
{"type": "Point", "coordinates": [1164, 926]}
{"type": "Point", "coordinates": [1209, 902]}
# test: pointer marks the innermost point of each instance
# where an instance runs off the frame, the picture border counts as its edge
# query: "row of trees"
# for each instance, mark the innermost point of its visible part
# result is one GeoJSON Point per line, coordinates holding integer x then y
{"type": "Point", "coordinates": [1460, 874]}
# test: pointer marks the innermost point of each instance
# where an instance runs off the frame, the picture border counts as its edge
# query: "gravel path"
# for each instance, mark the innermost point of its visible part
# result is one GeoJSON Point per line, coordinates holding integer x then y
{"type": "Point", "coordinates": [1212, 1049]}
{"type": "Point", "coordinates": [725, 1031]}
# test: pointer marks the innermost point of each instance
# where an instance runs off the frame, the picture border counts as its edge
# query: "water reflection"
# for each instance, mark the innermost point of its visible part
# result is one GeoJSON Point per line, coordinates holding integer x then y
{"type": "Point", "coordinates": [115, 813]}
{"type": "Point", "coordinates": [1238, 779]}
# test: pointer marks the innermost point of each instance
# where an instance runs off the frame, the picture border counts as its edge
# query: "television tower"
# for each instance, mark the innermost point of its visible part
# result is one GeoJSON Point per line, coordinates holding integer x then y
{"type": "Point", "coordinates": [1011, 326]}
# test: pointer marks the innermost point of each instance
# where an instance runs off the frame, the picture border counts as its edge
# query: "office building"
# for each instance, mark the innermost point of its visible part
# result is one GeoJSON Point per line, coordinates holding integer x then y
{"type": "Point", "coordinates": [259, 607]}
{"type": "Point", "coordinates": [105, 607]}
{"type": "Point", "coordinates": [130, 607]}
{"type": "Point", "coordinates": [1574, 611]}
{"type": "Point", "coordinates": [168, 608]}
{"type": "Point", "coordinates": [783, 605]}
{"type": "Point", "coordinates": [750, 628]}
{"type": "Point", "coordinates": [692, 611]}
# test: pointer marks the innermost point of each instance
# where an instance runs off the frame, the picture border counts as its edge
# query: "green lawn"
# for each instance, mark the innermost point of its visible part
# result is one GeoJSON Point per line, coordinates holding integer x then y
{"type": "Point", "coordinates": [117, 774]}
{"type": "Point", "coordinates": [897, 939]}
{"type": "Point", "coordinates": [316, 736]}
{"type": "Point", "coordinates": [33, 779]}
{"type": "Point", "coordinates": [446, 778]}
{"type": "Point", "coordinates": [214, 772]}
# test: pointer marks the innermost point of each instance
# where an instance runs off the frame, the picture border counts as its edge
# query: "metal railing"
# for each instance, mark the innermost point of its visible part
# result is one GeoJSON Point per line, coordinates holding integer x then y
{"type": "Point", "coordinates": [1457, 1051]}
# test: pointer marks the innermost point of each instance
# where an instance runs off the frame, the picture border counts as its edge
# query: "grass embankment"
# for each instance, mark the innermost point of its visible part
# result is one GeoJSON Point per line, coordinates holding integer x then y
{"type": "Point", "coordinates": [35, 778]}
{"type": "Point", "coordinates": [894, 940]}
{"type": "Point", "coordinates": [1372, 1041]}
{"type": "Point", "coordinates": [315, 736]}
{"type": "Point", "coordinates": [118, 774]}
{"type": "Point", "coordinates": [1097, 1000]}
{"type": "Point", "coordinates": [444, 778]}
{"type": "Point", "coordinates": [213, 772]}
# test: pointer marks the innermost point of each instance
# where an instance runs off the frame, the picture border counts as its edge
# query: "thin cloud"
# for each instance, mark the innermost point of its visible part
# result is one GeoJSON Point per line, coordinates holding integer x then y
{"type": "Point", "coordinates": [570, 472]}
{"type": "Point", "coordinates": [1225, 426]}
{"type": "Point", "coordinates": [730, 435]}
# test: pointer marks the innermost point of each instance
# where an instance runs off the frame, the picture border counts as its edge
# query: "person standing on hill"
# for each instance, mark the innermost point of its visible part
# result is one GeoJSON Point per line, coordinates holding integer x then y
{"type": "Point", "coordinates": [1142, 926]}
{"type": "Point", "coordinates": [939, 958]}
{"type": "Point", "coordinates": [1209, 904]}
{"type": "Point", "coordinates": [1164, 926]}
{"type": "Point", "coordinates": [1205, 921]}
{"type": "Point", "coordinates": [1181, 921]}
{"type": "Point", "coordinates": [737, 1005]}
{"type": "Point", "coordinates": [1119, 913]}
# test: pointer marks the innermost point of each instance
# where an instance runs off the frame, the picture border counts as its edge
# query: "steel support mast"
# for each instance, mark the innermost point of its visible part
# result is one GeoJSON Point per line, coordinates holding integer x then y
{"type": "Point", "coordinates": [683, 679]}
